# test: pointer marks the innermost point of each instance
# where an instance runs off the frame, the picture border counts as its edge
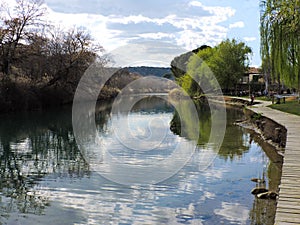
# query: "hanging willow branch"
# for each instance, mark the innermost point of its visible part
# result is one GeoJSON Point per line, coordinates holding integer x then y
{"type": "Point", "coordinates": [280, 39]}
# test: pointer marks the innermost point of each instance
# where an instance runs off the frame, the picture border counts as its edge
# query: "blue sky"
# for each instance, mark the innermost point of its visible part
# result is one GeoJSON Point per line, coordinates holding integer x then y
{"type": "Point", "coordinates": [184, 23]}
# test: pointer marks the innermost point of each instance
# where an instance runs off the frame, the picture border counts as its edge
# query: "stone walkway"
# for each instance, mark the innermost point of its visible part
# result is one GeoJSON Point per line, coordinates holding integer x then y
{"type": "Point", "coordinates": [288, 207]}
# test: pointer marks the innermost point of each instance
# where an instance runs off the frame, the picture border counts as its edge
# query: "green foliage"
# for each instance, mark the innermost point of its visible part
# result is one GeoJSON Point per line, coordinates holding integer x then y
{"type": "Point", "coordinates": [186, 82]}
{"type": "Point", "coordinates": [257, 116]}
{"type": "Point", "coordinates": [226, 62]}
{"type": "Point", "coordinates": [230, 62]}
{"type": "Point", "coordinates": [292, 107]}
{"type": "Point", "coordinates": [280, 36]}
{"type": "Point", "coordinates": [234, 141]}
{"type": "Point", "coordinates": [199, 132]}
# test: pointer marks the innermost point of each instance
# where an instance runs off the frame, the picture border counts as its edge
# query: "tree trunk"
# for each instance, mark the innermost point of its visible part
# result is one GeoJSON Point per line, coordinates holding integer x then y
{"type": "Point", "coordinates": [279, 84]}
{"type": "Point", "coordinates": [7, 58]}
{"type": "Point", "coordinates": [6, 66]}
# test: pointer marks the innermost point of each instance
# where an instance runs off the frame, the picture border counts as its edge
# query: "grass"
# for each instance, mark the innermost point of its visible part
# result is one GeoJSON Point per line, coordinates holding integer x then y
{"type": "Point", "coordinates": [292, 107]}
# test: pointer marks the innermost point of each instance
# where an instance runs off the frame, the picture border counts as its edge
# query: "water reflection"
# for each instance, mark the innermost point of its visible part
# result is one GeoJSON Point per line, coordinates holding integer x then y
{"type": "Point", "coordinates": [235, 144]}
{"type": "Point", "coordinates": [233, 212]}
{"type": "Point", "coordinates": [32, 146]}
{"type": "Point", "coordinates": [45, 179]}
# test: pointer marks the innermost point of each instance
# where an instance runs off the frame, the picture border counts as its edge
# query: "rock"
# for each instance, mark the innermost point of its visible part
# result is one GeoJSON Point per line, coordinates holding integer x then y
{"type": "Point", "coordinates": [258, 190]}
{"type": "Point", "coordinates": [267, 195]}
{"type": "Point", "coordinates": [264, 195]}
{"type": "Point", "coordinates": [240, 121]}
{"type": "Point", "coordinates": [257, 122]}
{"type": "Point", "coordinates": [262, 125]}
{"type": "Point", "coordinates": [273, 195]}
{"type": "Point", "coordinates": [258, 180]}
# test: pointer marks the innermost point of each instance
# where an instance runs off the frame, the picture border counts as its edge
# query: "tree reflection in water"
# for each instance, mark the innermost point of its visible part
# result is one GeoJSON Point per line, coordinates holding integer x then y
{"type": "Point", "coordinates": [236, 143]}
{"type": "Point", "coordinates": [33, 146]}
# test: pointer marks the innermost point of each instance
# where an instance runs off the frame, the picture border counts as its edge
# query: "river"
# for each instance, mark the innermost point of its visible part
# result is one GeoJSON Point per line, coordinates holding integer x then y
{"type": "Point", "coordinates": [45, 178]}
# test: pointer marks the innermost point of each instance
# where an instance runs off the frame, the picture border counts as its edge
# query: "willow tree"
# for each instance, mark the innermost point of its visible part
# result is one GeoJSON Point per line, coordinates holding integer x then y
{"type": "Point", "coordinates": [280, 36]}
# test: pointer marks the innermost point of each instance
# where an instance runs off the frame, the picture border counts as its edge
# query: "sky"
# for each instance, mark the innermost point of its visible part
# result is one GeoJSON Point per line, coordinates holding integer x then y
{"type": "Point", "coordinates": [187, 24]}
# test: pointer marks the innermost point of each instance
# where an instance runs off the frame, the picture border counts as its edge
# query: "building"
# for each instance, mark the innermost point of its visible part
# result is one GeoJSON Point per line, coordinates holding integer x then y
{"type": "Point", "coordinates": [252, 81]}
{"type": "Point", "coordinates": [253, 75]}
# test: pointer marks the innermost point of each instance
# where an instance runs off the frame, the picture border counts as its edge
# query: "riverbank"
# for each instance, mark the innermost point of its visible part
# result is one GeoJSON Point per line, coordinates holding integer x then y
{"type": "Point", "coordinates": [288, 211]}
{"type": "Point", "coordinates": [272, 131]}
{"type": "Point", "coordinates": [20, 93]}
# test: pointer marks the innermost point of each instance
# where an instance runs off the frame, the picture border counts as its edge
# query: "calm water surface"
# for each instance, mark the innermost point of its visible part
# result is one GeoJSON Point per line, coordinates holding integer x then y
{"type": "Point", "coordinates": [46, 180]}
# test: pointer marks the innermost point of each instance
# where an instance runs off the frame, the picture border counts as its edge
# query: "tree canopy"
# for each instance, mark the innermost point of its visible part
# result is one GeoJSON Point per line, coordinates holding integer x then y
{"type": "Point", "coordinates": [40, 63]}
{"type": "Point", "coordinates": [18, 25]}
{"type": "Point", "coordinates": [227, 62]}
{"type": "Point", "coordinates": [39, 48]}
{"type": "Point", "coordinates": [280, 36]}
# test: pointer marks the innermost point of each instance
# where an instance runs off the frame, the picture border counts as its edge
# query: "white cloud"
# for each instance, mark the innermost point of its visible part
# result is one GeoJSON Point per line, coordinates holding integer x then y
{"type": "Point", "coordinates": [156, 36]}
{"type": "Point", "coordinates": [161, 53]}
{"type": "Point", "coordinates": [195, 3]}
{"type": "Point", "coordinates": [129, 19]}
{"type": "Point", "coordinates": [239, 24]}
{"type": "Point", "coordinates": [233, 212]}
{"type": "Point", "coordinates": [209, 195]}
{"type": "Point", "coordinates": [189, 23]}
{"type": "Point", "coordinates": [212, 173]}
{"type": "Point", "coordinates": [199, 24]}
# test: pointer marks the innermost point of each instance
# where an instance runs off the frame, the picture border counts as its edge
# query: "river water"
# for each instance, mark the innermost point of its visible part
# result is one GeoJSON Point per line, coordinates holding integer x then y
{"type": "Point", "coordinates": [45, 178]}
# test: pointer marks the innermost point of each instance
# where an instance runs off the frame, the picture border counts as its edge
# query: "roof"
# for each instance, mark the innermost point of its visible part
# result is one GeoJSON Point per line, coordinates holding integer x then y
{"type": "Point", "coordinates": [253, 70]}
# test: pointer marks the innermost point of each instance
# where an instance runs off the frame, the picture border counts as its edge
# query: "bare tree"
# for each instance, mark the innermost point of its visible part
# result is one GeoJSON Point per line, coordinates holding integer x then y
{"type": "Point", "coordinates": [17, 25]}
{"type": "Point", "coordinates": [70, 53]}
{"type": "Point", "coordinates": [32, 58]}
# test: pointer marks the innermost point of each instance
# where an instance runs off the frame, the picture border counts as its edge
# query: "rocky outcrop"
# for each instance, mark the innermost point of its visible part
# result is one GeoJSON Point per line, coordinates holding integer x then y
{"type": "Point", "coordinates": [269, 129]}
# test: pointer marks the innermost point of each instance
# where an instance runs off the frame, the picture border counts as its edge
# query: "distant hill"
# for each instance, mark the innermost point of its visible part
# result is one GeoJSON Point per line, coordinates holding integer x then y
{"type": "Point", "coordinates": [150, 71]}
